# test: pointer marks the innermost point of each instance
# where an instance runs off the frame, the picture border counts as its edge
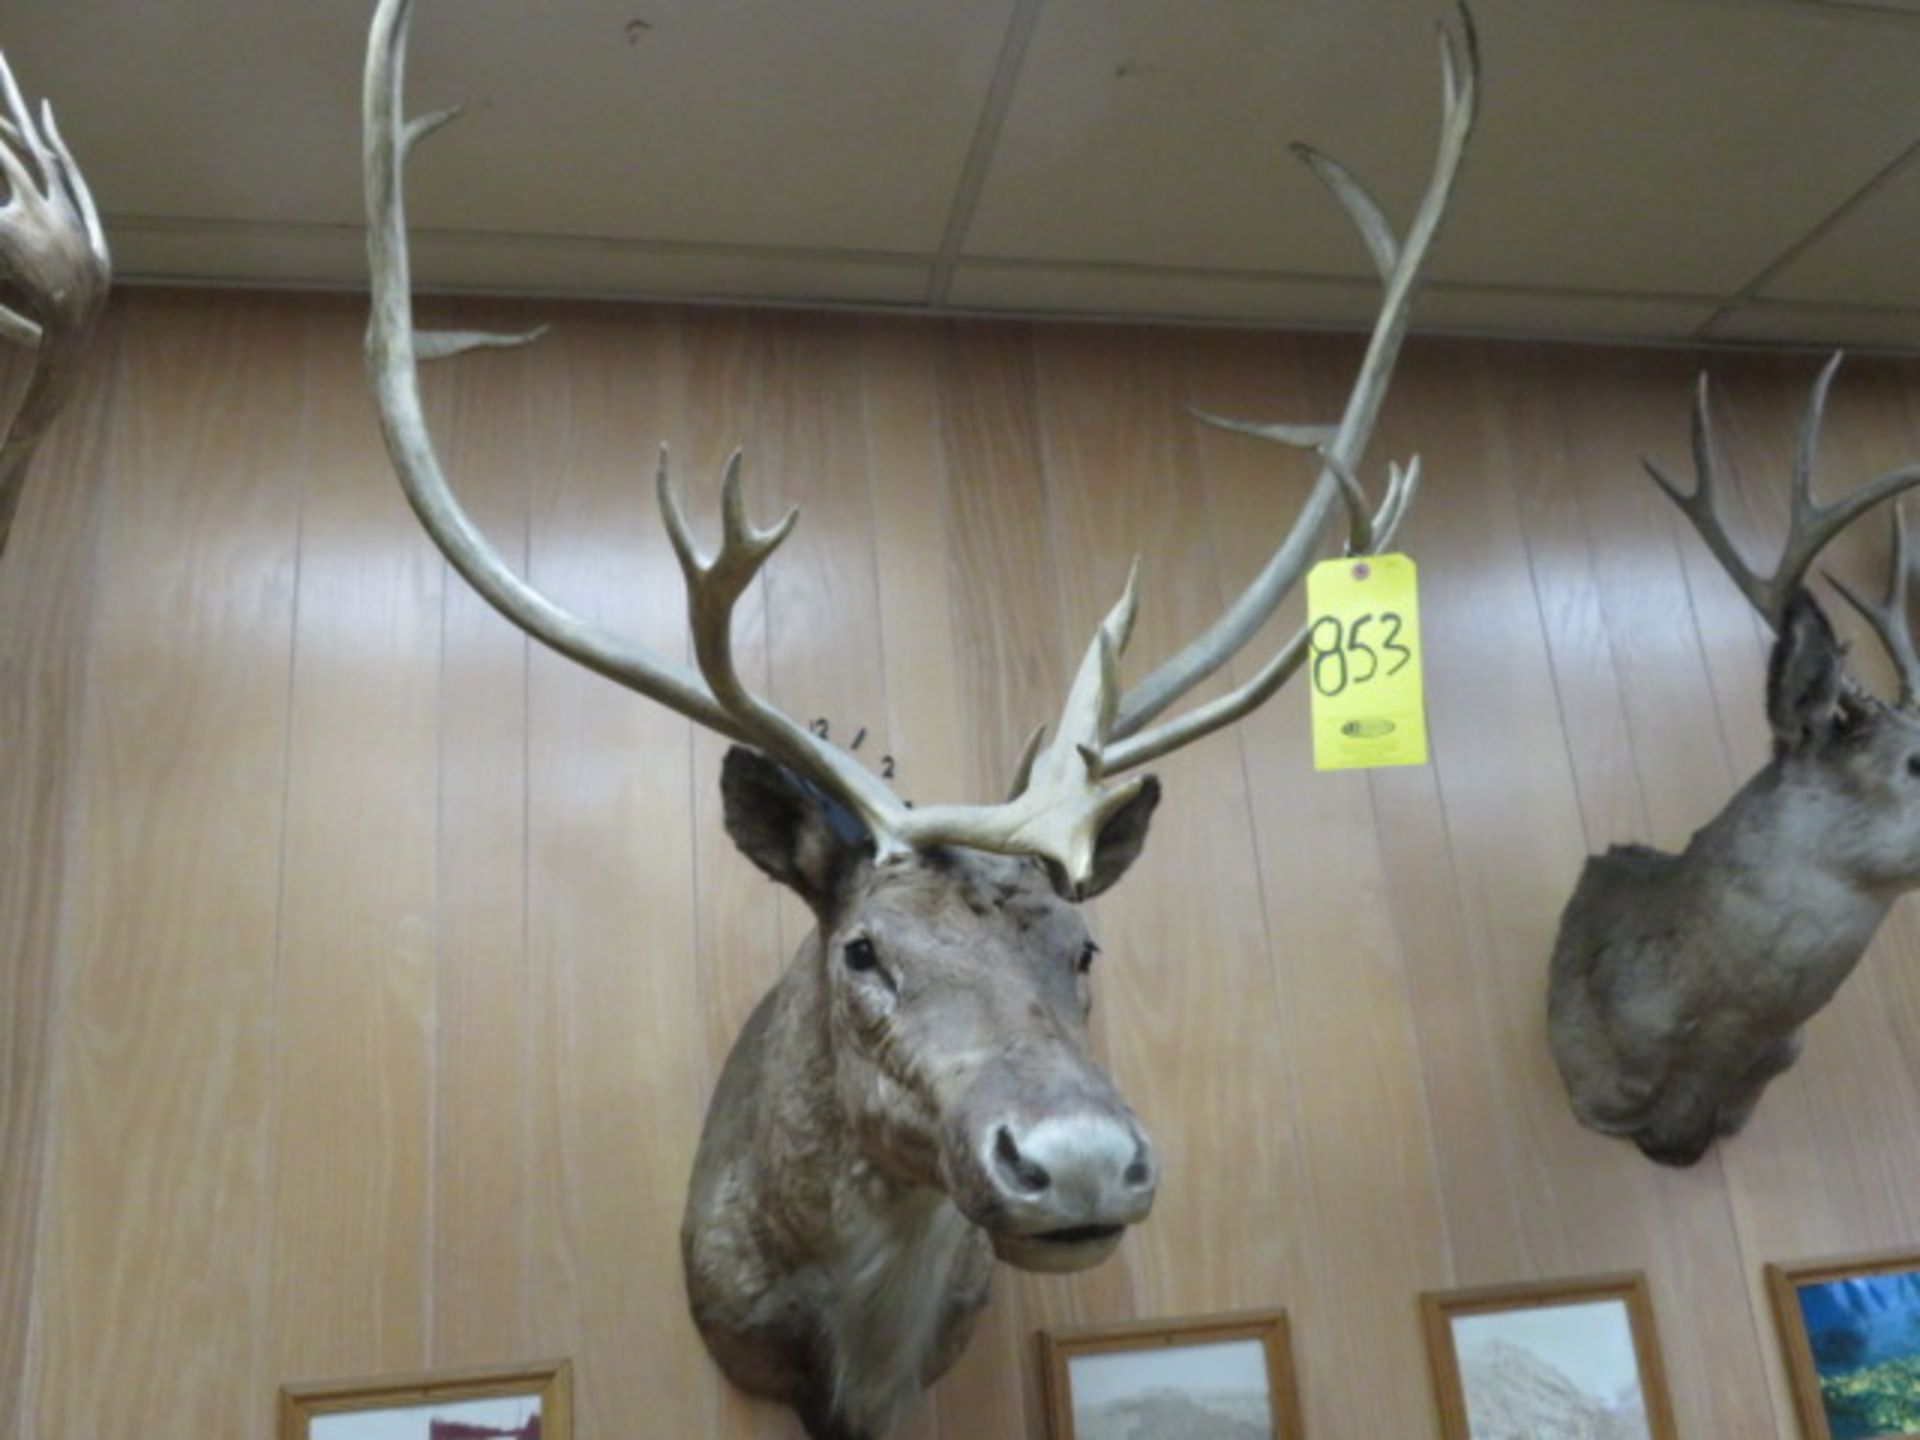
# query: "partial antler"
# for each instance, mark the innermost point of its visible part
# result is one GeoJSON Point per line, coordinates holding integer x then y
{"type": "Point", "coordinates": [1341, 447]}
{"type": "Point", "coordinates": [1810, 526]}
{"type": "Point", "coordinates": [1066, 792]}
{"type": "Point", "coordinates": [54, 265]}
{"type": "Point", "coordinates": [1889, 618]}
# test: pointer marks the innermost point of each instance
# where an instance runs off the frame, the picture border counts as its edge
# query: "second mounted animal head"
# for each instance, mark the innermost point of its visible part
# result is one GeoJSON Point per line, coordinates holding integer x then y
{"type": "Point", "coordinates": [1844, 782]}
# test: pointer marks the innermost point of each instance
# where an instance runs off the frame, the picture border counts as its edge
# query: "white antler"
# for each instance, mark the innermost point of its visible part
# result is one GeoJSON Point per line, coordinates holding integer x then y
{"type": "Point", "coordinates": [1066, 793]}
{"type": "Point", "coordinates": [54, 264]}
{"type": "Point", "coordinates": [1340, 446]}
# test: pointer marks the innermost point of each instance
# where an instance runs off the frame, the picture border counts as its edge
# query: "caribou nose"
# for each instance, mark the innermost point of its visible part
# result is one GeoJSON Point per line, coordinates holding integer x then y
{"type": "Point", "coordinates": [1073, 1171]}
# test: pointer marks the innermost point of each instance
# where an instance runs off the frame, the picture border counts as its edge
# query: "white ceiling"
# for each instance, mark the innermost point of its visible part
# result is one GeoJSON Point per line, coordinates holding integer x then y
{"type": "Point", "coordinates": [1661, 169]}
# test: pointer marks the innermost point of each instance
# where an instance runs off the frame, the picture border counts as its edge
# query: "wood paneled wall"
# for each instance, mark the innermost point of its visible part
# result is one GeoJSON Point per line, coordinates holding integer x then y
{"type": "Point", "coordinates": [363, 973]}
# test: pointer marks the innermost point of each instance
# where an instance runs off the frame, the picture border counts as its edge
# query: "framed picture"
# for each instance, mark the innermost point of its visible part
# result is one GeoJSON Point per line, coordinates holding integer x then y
{"type": "Point", "coordinates": [1213, 1377]}
{"type": "Point", "coordinates": [1851, 1329]}
{"type": "Point", "coordinates": [534, 1402]}
{"type": "Point", "coordinates": [1558, 1357]}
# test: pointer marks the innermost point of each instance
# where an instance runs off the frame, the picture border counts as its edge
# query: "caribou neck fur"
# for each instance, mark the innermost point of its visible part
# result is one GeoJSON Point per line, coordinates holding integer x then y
{"type": "Point", "coordinates": [816, 1279]}
{"type": "Point", "coordinates": [1680, 982]}
{"type": "Point", "coordinates": [912, 1099]}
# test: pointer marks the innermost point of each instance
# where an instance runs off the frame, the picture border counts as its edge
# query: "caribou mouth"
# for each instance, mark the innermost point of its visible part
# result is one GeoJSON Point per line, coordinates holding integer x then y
{"type": "Point", "coordinates": [1078, 1234]}
{"type": "Point", "coordinates": [1057, 1252]}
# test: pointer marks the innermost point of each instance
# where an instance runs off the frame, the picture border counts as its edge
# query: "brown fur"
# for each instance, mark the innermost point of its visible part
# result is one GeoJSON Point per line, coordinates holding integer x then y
{"type": "Point", "coordinates": [845, 1209]}
{"type": "Point", "coordinates": [1680, 982]}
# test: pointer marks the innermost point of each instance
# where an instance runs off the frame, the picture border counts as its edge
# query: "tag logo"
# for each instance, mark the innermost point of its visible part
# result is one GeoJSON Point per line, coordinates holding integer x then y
{"type": "Point", "coordinates": [1366, 729]}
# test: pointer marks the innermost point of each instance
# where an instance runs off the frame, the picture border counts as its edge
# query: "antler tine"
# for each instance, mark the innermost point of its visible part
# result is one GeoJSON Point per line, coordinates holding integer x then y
{"type": "Point", "coordinates": [1815, 525]}
{"type": "Point", "coordinates": [1811, 526]}
{"type": "Point", "coordinates": [714, 587]}
{"type": "Point", "coordinates": [1061, 800]}
{"type": "Point", "coordinates": [53, 254]}
{"type": "Point", "coordinates": [20, 125]}
{"type": "Point", "coordinates": [394, 351]}
{"type": "Point", "coordinates": [1701, 504]}
{"type": "Point", "coordinates": [1370, 536]}
{"type": "Point", "coordinates": [1889, 618]}
{"type": "Point", "coordinates": [1402, 486]}
{"type": "Point", "coordinates": [1400, 265]}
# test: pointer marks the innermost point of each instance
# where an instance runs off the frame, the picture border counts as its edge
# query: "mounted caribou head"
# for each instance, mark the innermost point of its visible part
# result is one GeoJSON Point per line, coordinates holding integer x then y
{"type": "Point", "coordinates": [915, 1096]}
{"type": "Point", "coordinates": [53, 267]}
{"type": "Point", "coordinates": [1680, 982]}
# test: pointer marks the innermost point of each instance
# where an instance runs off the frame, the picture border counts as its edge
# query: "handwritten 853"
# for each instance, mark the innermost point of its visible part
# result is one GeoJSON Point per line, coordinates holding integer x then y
{"type": "Point", "coordinates": [1364, 663]}
{"type": "Point", "coordinates": [1356, 650]}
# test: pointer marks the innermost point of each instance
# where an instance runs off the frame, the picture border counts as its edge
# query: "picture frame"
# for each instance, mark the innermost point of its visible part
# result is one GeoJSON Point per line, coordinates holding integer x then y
{"type": "Point", "coordinates": [1509, 1359]}
{"type": "Point", "coordinates": [524, 1402]}
{"type": "Point", "coordinates": [1233, 1370]}
{"type": "Point", "coordinates": [1854, 1320]}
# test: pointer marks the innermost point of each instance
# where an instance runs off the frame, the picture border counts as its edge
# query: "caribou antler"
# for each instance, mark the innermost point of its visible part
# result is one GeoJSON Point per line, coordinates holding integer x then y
{"type": "Point", "coordinates": [1341, 446]}
{"type": "Point", "coordinates": [1067, 790]}
{"type": "Point", "coordinates": [54, 265]}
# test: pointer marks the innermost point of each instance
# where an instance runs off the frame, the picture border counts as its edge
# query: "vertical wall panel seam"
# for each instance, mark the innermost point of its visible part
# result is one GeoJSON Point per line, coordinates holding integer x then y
{"type": "Point", "coordinates": [267, 1329]}
{"type": "Point", "coordinates": [1404, 951]}
{"type": "Point", "coordinates": [1237, 734]}
{"type": "Point", "coordinates": [1066, 647]}
{"type": "Point", "coordinates": [46, 1126]}
{"type": "Point", "coordinates": [1554, 660]}
{"type": "Point", "coordinates": [702, 986]}
{"type": "Point", "coordinates": [873, 542]}
{"type": "Point", "coordinates": [523, 1260]}
{"type": "Point", "coordinates": [436, 1038]}
{"type": "Point", "coordinates": [1488, 1024]}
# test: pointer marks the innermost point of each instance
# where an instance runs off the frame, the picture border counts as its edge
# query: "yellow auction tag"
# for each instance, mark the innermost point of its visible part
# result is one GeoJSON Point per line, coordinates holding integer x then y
{"type": "Point", "coordinates": [1363, 663]}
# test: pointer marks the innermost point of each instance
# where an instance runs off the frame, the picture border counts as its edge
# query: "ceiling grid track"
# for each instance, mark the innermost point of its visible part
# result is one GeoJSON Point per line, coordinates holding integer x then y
{"type": "Point", "coordinates": [1749, 293]}
{"type": "Point", "coordinates": [1798, 188]}
{"type": "Point", "coordinates": [986, 139]}
{"type": "Point", "coordinates": [1870, 7]}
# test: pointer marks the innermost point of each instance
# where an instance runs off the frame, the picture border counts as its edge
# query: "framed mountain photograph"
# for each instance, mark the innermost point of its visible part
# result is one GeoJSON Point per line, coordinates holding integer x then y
{"type": "Point", "coordinates": [533, 1402]}
{"type": "Point", "coordinates": [1557, 1357]}
{"type": "Point", "coordinates": [1213, 1377]}
{"type": "Point", "coordinates": [1851, 1331]}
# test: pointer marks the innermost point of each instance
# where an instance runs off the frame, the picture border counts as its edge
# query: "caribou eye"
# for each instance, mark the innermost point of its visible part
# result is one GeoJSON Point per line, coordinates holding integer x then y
{"type": "Point", "coordinates": [860, 955]}
{"type": "Point", "coordinates": [1913, 764]}
{"type": "Point", "coordinates": [1087, 952]}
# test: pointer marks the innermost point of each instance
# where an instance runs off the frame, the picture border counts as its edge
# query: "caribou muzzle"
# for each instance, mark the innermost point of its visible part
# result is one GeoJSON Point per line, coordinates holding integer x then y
{"type": "Point", "coordinates": [1053, 1174]}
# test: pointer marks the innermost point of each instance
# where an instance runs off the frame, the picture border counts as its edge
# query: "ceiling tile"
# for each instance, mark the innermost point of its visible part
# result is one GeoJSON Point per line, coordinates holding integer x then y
{"type": "Point", "coordinates": [1867, 257]}
{"type": "Point", "coordinates": [813, 153]}
{"type": "Point", "coordinates": [1632, 145]}
{"type": "Point", "coordinates": [838, 123]}
{"type": "Point", "coordinates": [1870, 329]}
{"type": "Point", "coordinates": [335, 256]}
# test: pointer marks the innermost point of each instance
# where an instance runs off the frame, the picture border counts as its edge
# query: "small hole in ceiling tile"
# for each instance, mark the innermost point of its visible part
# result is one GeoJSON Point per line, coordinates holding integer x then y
{"type": "Point", "coordinates": [636, 28]}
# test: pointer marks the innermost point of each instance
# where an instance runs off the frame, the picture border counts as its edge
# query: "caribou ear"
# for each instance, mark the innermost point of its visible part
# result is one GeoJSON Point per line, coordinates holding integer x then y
{"type": "Point", "coordinates": [1804, 678]}
{"type": "Point", "coordinates": [1122, 839]}
{"type": "Point", "coordinates": [788, 828]}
